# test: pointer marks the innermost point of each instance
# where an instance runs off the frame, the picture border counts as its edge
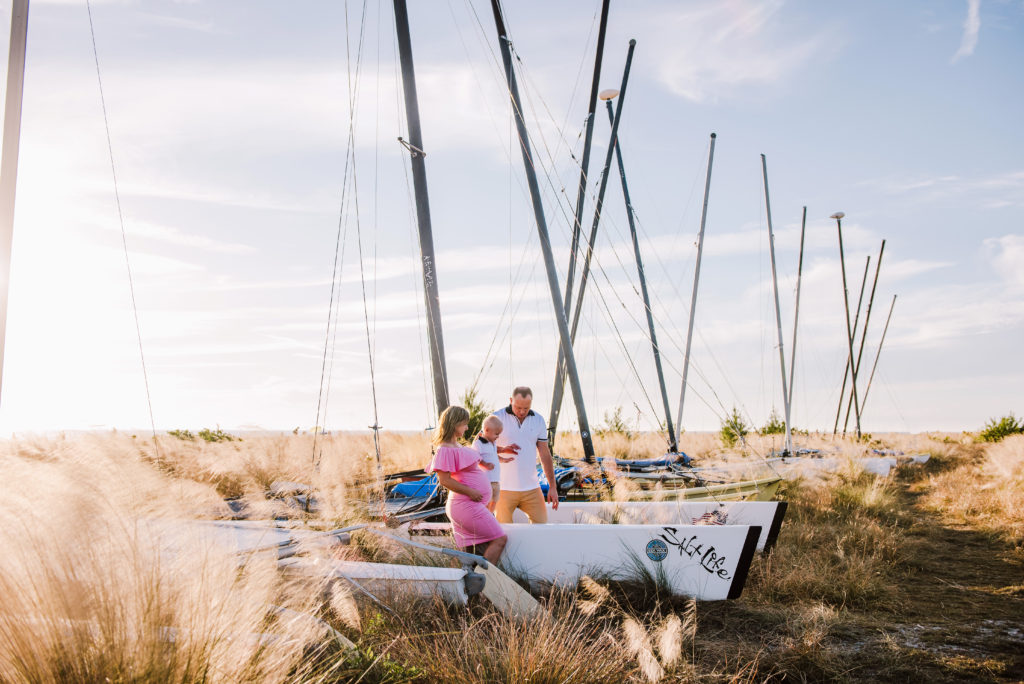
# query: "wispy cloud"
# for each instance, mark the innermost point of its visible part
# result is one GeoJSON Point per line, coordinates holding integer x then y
{"type": "Point", "coordinates": [990, 192]}
{"type": "Point", "coordinates": [710, 51]}
{"type": "Point", "coordinates": [1007, 256]}
{"type": "Point", "coordinates": [972, 25]}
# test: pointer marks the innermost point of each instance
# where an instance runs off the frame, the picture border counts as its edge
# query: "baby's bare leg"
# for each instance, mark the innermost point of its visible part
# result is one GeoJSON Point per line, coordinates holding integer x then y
{"type": "Point", "coordinates": [495, 491]}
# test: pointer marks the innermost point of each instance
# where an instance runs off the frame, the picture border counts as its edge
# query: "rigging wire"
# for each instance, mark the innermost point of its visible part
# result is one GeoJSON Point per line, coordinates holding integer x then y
{"type": "Point", "coordinates": [120, 218]}
{"type": "Point", "coordinates": [341, 242]}
{"type": "Point", "coordinates": [548, 170]}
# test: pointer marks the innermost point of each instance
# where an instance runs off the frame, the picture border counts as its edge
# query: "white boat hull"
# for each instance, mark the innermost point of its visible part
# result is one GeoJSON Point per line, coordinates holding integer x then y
{"type": "Point", "coordinates": [767, 515]}
{"type": "Point", "coordinates": [384, 579]}
{"type": "Point", "coordinates": [709, 563]}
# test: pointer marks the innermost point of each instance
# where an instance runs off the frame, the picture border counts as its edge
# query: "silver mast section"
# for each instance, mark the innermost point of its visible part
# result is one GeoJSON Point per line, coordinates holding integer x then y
{"type": "Point", "coordinates": [696, 281]}
{"type": "Point", "coordinates": [796, 310]}
{"type": "Point", "coordinates": [9, 161]}
{"type": "Point", "coordinates": [788, 449]}
{"type": "Point", "coordinates": [542, 233]}
{"type": "Point", "coordinates": [419, 180]}
{"type": "Point", "coordinates": [874, 366]}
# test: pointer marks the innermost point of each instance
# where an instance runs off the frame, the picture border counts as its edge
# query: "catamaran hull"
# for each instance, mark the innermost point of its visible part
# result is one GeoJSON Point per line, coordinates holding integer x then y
{"type": "Point", "coordinates": [709, 563]}
{"type": "Point", "coordinates": [386, 580]}
{"type": "Point", "coordinates": [767, 515]}
{"type": "Point", "coordinates": [763, 489]}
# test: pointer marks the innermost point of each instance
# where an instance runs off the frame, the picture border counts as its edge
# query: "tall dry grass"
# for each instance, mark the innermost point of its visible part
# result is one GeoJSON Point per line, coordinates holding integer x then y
{"type": "Point", "coordinates": [982, 486]}
{"type": "Point", "coordinates": [90, 593]}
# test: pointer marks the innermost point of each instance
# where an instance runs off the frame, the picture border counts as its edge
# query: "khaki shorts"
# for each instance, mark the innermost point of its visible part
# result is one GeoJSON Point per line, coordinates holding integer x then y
{"type": "Point", "coordinates": [531, 502]}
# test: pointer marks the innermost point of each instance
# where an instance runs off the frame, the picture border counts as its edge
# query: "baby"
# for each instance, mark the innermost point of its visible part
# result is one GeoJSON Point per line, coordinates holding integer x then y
{"type": "Point", "coordinates": [489, 459]}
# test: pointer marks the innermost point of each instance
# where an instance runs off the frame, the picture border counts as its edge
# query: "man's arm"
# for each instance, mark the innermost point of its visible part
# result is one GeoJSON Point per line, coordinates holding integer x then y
{"type": "Point", "coordinates": [549, 472]}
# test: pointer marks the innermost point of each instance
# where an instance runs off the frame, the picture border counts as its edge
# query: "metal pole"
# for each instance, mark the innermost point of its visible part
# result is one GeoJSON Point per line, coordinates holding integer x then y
{"type": "Point", "coordinates": [788, 449]}
{"type": "Point", "coordinates": [581, 194]}
{"type": "Point", "coordinates": [9, 161]}
{"type": "Point", "coordinates": [796, 310]}
{"type": "Point", "coordinates": [673, 445]}
{"type": "Point", "coordinates": [878, 353]}
{"type": "Point", "coordinates": [559, 389]}
{"type": "Point", "coordinates": [542, 232]}
{"type": "Point", "coordinates": [419, 178]}
{"type": "Point", "coordinates": [588, 137]}
{"type": "Point", "coordinates": [864, 333]}
{"type": "Point", "coordinates": [849, 331]}
{"type": "Point", "coordinates": [849, 361]}
{"type": "Point", "coordinates": [696, 280]}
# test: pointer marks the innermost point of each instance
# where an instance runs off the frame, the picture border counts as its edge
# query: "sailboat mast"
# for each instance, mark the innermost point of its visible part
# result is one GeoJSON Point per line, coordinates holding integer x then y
{"type": "Point", "coordinates": [9, 161]}
{"type": "Point", "coordinates": [542, 232]}
{"type": "Point", "coordinates": [673, 445]}
{"type": "Point", "coordinates": [696, 281]}
{"type": "Point", "coordinates": [796, 309]}
{"type": "Point", "coordinates": [559, 389]}
{"type": "Point", "coordinates": [577, 225]}
{"type": "Point", "coordinates": [788, 449]}
{"type": "Point", "coordinates": [874, 366]}
{"type": "Point", "coordinates": [838, 216]}
{"type": "Point", "coordinates": [588, 137]}
{"type": "Point", "coordinates": [864, 333]}
{"type": "Point", "coordinates": [419, 179]}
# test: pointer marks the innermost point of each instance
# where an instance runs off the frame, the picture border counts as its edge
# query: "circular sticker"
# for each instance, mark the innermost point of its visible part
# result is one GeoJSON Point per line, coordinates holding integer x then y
{"type": "Point", "coordinates": [657, 550]}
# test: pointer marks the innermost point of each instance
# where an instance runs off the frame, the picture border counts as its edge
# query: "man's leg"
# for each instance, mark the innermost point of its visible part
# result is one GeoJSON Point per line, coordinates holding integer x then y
{"type": "Point", "coordinates": [532, 503]}
{"type": "Point", "coordinates": [507, 503]}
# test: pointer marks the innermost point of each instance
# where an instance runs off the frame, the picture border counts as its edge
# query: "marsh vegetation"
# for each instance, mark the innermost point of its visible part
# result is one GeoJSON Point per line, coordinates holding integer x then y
{"type": "Point", "coordinates": [913, 577]}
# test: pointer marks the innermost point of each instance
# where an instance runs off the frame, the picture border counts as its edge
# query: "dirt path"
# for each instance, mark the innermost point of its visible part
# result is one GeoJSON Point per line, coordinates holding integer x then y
{"type": "Point", "coordinates": [962, 615]}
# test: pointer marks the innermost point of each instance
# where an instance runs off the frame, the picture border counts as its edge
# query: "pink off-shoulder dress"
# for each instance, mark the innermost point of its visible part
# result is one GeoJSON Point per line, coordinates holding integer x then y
{"type": "Point", "coordinates": [472, 523]}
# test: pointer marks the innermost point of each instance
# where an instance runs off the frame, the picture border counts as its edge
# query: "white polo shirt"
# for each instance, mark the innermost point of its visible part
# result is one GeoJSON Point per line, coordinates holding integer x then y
{"type": "Point", "coordinates": [521, 474]}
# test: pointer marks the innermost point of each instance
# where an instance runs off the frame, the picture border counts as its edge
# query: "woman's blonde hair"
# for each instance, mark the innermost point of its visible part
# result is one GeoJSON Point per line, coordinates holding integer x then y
{"type": "Point", "coordinates": [453, 417]}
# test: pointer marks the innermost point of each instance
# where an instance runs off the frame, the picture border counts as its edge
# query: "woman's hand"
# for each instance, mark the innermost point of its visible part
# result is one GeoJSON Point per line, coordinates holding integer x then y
{"type": "Point", "coordinates": [474, 495]}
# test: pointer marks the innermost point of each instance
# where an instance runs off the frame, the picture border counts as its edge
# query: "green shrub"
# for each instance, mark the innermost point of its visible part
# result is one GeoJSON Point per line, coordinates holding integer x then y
{"type": "Point", "coordinates": [996, 430]}
{"type": "Point", "coordinates": [477, 412]}
{"type": "Point", "coordinates": [185, 435]}
{"type": "Point", "coordinates": [733, 428]}
{"type": "Point", "coordinates": [614, 424]}
{"type": "Point", "coordinates": [774, 426]}
{"type": "Point", "coordinates": [217, 435]}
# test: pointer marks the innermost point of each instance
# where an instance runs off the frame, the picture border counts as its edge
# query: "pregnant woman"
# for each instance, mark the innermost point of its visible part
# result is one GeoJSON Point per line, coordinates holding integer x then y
{"type": "Point", "coordinates": [458, 470]}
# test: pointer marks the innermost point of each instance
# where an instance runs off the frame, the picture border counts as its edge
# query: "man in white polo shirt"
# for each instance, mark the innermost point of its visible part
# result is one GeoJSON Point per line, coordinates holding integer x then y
{"type": "Point", "coordinates": [524, 437]}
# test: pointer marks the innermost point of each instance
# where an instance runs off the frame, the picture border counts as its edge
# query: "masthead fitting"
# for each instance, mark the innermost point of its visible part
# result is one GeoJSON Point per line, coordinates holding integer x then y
{"type": "Point", "coordinates": [837, 215]}
{"type": "Point", "coordinates": [609, 94]}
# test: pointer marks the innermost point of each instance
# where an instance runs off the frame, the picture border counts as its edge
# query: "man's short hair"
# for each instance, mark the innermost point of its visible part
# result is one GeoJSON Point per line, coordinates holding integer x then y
{"type": "Point", "coordinates": [522, 392]}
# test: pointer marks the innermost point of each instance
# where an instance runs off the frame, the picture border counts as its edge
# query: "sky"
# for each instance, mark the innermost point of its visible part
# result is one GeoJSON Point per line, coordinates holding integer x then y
{"type": "Point", "coordinates": [254, 146]}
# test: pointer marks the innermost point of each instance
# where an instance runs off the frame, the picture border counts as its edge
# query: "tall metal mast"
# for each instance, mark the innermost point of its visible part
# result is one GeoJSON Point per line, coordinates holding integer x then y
{"type": "Point", "coordinates": [696, 281]}
{"type": "Point", "coordinates": [838, 216]}
{"type": "Point", "coordinates": [542, 232]}
{"type": "Point", "coordinates": [874, 366]}
{"type": "Point", "coordinates": [588, 137]}
{"type": "Point", "coordinates": [673, 445]}
{"type": "Point", "coordinates": [796, 310]}
{"type": "Point", "coordinates": [864, 333]}
{"type": "Point", "coordinates": [419, 179]}
{"type": "Point", "coordinates": [788, 449]}
{"type": "Point", "coordinates": [559, 389]}
{"type": "Point", "coordinates": [9, 161]}
{"type": "Point", "coordinates": [849, 361]}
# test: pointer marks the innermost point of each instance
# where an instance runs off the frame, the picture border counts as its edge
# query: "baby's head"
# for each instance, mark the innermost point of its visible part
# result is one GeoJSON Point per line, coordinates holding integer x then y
{"type": "Point", "coordinates": [491, 428]}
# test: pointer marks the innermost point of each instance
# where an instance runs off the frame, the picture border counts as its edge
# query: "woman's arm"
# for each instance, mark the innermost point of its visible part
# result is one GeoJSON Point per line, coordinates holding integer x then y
{"type": "Point", "coordinates": [449, 482]}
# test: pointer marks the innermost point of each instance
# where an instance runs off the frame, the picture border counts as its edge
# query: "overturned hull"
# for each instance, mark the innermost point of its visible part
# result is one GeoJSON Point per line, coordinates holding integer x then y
{"type": "Point", "coordinates": [768, 515]}
{"type": "Point", "coordinates": [709, 563]}
{"type": "Point", "coordinates": [385, 580]}
{"type": "Point", "coordinates": [760, 489]}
